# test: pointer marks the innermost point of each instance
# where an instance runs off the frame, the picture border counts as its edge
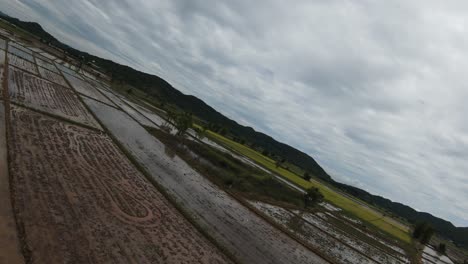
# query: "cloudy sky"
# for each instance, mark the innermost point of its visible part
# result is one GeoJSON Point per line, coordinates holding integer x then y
{"type": "Point", "coordinates": [375, 91]}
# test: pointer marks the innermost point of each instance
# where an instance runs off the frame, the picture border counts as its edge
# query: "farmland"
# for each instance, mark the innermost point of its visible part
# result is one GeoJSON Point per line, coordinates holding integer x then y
{"type": "Point", "coordinates": [317, 231]}
{"type": "Point", "coordinates": [250, 238]}
{"type": "Point", "coordinates": [40, 94]}
{"type": "Point", "coordinates": [90, 217]}
{"type": "Point", "coordinates": [361, 211]}
{"type": "Point", "coordinates": [75, 195]}
{"type": "Point", "coordinates": [21, 63]}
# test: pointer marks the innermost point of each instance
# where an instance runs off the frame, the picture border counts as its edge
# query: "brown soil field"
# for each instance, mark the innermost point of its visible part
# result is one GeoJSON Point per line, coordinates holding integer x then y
{"type": "Point", "coordinates": [21, 63]}
{"type": "Point", "coordinates": [52, 76]}
{"type": "Point", "coordinates": [78, 199]}
{"type": "Point", "coordinates": [9, 244]}
{"type": "Point", "coordinates": [32, 91]}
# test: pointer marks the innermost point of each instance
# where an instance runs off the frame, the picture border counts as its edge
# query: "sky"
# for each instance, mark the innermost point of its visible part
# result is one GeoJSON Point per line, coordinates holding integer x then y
{"type": "Point", "coordinates": [375, 91]}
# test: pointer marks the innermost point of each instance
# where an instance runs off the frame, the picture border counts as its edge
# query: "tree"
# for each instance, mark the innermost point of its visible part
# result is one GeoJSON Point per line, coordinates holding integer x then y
{"type": "Point", "coordinates": [427, 235]}
{"type": "Point", "coordinates": [307, 176]}
{"type": "Point", "coordinates": [423, 232]}
{"type": "Point", "coordinates": [419, 230]}
{"type": "Point", "coordinates": [442, 248]}
{"type": "Point", "coordinates": [222, 131]}
{"type": "Point", "coordinates": [312, 197]}
{"type": "Point", "coordinates": [277, 163]}
{"type": "Point", "coordinates": [181, 121]}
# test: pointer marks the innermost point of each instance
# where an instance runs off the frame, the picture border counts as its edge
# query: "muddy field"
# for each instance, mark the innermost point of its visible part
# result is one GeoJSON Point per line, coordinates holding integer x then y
{"type": "Point", "coordinates": [124, 104]}
{"type": "Point", "coordinates": [87, 89]}
{"type": "Point", "coordinates": [43, 62]}
{"type": "Point", "coordinates": [52, 76]}
{"type": "Point", "coordinates": [9, 244]}
{"type": "Point", "coordinates": [67, 70]}
{"type": "Point", "coordinates": [40, 94]}
{"type": "Point", "coordinates": [250, 238]}
{"type": "Point", "coordinates": [20, 52]}
{"type": "Point", "coordinates": [79, 200]}
{"type": "Point", "coordinates": [431, 256]}
{"type": "Point", "coordinates": [156, 119]}
{"type": "Point", "coordinates": [316, 230]}
{"type": "Point", "coordinates": [22, 63]}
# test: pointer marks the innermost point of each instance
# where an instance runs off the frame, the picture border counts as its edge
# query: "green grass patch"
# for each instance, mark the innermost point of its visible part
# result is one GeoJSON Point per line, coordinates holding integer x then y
{"type": "Point", "coordinates": [362, 212]}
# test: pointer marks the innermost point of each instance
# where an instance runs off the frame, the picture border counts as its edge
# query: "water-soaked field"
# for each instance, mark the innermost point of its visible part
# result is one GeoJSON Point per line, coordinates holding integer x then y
{"type": "Point", "coordinates": [316, 230]}
{"type": "Point", "coordinates": [75, 195]}
{"type": "Point", "coordinates": [34, 92]}
{"type": "Point", "coordinates": [250, 238]}
{"type": "Point", "coordinates": [79, 199]}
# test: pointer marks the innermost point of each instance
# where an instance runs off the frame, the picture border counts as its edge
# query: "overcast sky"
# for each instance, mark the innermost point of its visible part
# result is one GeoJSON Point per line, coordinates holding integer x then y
{"type": "Point", "coordinates": [375, 91]}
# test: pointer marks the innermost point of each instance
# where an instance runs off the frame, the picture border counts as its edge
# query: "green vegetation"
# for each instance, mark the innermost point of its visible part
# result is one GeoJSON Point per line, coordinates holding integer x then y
{"type": "Point", "coordinates": [182, 121]}
{"type": "Point", "coordinates": [442, 248]}
{"type": "Point", "coordinates": [229, 172]}
{"type": "Point", "coordinates": [312, 196]}
{"type": "Point", "coordinates": [362, 212]}
{"type": "Point", "coordinates": [423, 232]}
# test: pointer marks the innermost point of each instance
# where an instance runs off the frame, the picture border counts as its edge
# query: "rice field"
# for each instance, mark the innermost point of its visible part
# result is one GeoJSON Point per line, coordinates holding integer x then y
{"type": "Point", "coordinates": [365, 213]}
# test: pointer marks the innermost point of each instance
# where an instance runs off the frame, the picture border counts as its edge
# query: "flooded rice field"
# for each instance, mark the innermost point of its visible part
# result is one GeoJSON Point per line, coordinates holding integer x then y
{"type": "Point", "coordinates": [124, 104]}
{"type": "Point", "coordinates": [34, 92]}
{"type": "Point", "coordinates": [52, 76]}
{"type": "Point", "coordinates": [87, 89]}
{"type": "Point", "coordinates": [21, 53]}
{"type": "Point", "coordinates": [249, 237]}
{"type": "Point", "coordinates": [156, 119]}
{"type": "Point", "coordinates": [22, 63]}
{"type": "Point", "coordinates": [77, 198]}
{"type": "Point", "coordinates": [431, 256]}
{"type": "Point", "coordinates": [326, 238]}
{"type": "Point", "coordinates": [44, 63]}
{"type": "Point", "coordinates": [68, 71]}
{"type": "Point", "coordinates": [76, 191]}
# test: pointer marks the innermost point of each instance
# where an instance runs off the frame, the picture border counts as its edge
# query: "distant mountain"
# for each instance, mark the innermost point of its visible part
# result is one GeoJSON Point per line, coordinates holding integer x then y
{"type": "Point", "coordinates": [163, 91]}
